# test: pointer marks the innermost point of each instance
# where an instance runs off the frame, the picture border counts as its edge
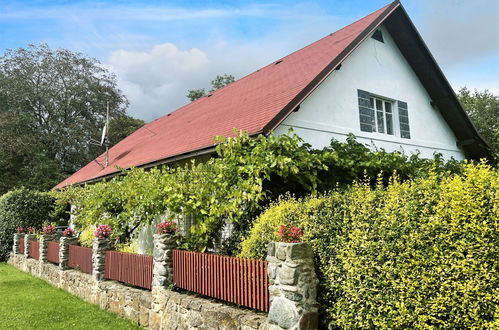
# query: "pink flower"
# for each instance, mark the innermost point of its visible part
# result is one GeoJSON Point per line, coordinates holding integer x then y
{"type": "Point", "coordinates": [290, 234]}
{"type": "Point", "coordinates": [31, 230]}
{"type": "Point", "coordinates": [167, 227]}
{"type": "Point", "coordinates": [49, 230]}
{"type": "Point", "coordinates": [19, 230]}
{"type": "Point", "coordinates": [103, 231]}
{"type": "Point", "coordinates": [69, 232]}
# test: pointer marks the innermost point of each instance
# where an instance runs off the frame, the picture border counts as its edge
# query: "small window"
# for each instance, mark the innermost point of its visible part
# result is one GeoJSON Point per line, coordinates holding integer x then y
{"type": "Point", "coordinates": [378, 114]}
{"type": "Point", "coordinates": [378, 35]}
{"type": "Point", "coordinates": [384, 117]}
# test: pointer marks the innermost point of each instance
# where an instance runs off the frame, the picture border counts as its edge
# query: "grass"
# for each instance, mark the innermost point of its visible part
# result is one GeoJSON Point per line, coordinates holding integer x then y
{"type": "Point", "coordinates": [27, 302]}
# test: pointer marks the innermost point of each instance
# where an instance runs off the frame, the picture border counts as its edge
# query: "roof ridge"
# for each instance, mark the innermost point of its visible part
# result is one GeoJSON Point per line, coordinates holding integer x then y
{"type": "Point", "coordinates": [273, 62]}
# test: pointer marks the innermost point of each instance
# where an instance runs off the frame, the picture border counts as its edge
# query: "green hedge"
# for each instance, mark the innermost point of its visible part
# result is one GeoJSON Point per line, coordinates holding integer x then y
{"type": "Point", "coordinates": [418, 254]}
{"type": "Point", "coordinates": [22, 207]}
{"type": "Point", "coordinates": [245, 176]}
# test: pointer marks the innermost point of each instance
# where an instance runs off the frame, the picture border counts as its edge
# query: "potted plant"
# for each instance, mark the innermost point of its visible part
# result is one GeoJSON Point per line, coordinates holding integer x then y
{"type": "Point", "coordinates": [48, 230]}
{"type": "Point", "coordinates": [290, 234]}
{"type": "Point", "coordinates": [167, 227]}
{"type": "Point", "coordinates": [69, 232]}
{"type": "Point", "coordinates": [103, 231]}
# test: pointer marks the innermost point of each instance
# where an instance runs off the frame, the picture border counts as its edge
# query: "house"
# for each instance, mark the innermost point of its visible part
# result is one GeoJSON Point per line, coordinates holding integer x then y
{"type": "Point", "coordinates": [374, 78]}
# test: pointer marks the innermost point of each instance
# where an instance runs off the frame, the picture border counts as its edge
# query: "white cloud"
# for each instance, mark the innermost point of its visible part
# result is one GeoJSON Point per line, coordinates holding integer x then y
{"type": "Point", "coordinates": [156, 81]}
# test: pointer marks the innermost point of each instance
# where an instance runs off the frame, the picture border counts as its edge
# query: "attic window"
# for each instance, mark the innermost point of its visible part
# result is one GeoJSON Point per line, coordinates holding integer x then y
{"type": "Point", "coordinates": [378, 35]}
{"type": "Point", "coordinates": [380, 114]}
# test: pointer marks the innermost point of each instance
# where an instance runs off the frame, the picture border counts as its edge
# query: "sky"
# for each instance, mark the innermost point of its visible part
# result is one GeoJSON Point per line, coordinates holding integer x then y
{"type": "Point", "coordinates": [161, 49]}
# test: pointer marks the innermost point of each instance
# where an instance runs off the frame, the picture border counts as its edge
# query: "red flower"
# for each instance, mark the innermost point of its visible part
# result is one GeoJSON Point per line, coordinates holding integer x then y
{"type": "Point", "coordinates": [49, 230]}
{"type": "Point", "coordinates": [19, 230]}
{"type": "Point", "coordinates": [69, 232]}
{"type": "Point", "coordinates": [290, 234]}
{"type": "Point", "coordinates": [103, 231]}
{"type": "Point", "coordinates": [167, 227]}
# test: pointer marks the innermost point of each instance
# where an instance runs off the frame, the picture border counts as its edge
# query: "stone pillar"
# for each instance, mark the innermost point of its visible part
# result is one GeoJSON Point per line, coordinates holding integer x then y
{"type": "Point", "coordinates": [17, 243]}
{"type": "Point", "coordinates": [163, 260]}
{"type": "Point", "coordinates": [64, 243]}
{"type": "Point", "coordinates": [44, 239]}
{"type": "Point", "coordinates": [27, 242]}
{"type": "Point", "coordinates": [99, 248]}
{"type": "Point", "coordinates": [293, 286]}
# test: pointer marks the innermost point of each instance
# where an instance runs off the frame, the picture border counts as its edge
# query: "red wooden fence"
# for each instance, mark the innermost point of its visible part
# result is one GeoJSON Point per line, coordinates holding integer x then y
{"type": "Point", "coordinates": [240, 281]}
{"type": "Point", "coordinates": [34, 249]}
{"type": "Point", "coordinates": [80, 257]}
{"type": "Point", "coordinates": [21, 243]}
{"type": "Point", "coordinates": [130, 268]}
{"type": "Point", "coordinates": [53, 252]}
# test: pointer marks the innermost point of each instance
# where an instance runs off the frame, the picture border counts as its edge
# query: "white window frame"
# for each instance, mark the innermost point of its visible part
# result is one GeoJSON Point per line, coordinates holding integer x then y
{"type": "Point", "coordinates": [394, 114]}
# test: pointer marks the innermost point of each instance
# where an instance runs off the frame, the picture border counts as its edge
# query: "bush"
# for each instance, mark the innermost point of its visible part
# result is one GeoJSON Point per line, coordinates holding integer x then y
{"type": "Point", "coordinates": [285, 211]}
{"type": "Point", "coordinates": [236, 185]}
{"type": "Point", "coordinates": [417, 254]}
{"type": "Point", "coordinates": [25, 208]}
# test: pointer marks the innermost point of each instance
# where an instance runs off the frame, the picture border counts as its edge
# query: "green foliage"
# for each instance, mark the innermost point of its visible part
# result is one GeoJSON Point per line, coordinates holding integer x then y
{"type": "Point", "coordinates": [52, 103]}
{"type": "Point", "coordinates": [349, 161]}
{"type": "Point", "coordinates": [25, 208]}
{"type": "Point", "coordinates": [415, 254]}
{"type": "Point", "coordinates": [221, 81]}
{"type": "Point", "coordinates": [195, 94]}
{"type": "Point", "coordinates": [282, 212]}
{"type": "Point", "coordinates": [122, 126]}
{"type": "Point", "coordinates": [247, 174]}
{"type": "Point", "coordinates": [483, 109]}
{"type": "Point", "coordinates": [217, 83]}
{"type": "Point", "coordinates": [233, 186]}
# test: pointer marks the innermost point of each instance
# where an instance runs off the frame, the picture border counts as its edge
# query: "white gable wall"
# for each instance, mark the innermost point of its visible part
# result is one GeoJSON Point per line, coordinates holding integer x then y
{"type": "Point", "coordinates": [332, 110]}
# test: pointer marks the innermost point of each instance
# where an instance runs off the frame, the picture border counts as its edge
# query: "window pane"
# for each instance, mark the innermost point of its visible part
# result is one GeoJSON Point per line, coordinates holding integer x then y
{"type": "Point", "coordinates": [379, 105]}
{"type": "Point", "coordinates": [389, 123]}
{"type": "Point", "coordinates": [388, 107]}
{"type": "Point", "coordinates": [380, 121]}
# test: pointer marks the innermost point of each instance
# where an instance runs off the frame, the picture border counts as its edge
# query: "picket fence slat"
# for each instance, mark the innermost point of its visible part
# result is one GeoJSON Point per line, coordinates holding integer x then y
{"type": "Point", "coordinates": [237, 280]}
{"type": "Point", "coordinates": [53, 252]}
{"type": "Point", "coordinates": [135, 269]}
{"type": "Point", "coordinates": [34, 250]}
{"type": "Point", "coordinates": [21, 243]}
{"type": "Point", "coordinates": [80, 257]}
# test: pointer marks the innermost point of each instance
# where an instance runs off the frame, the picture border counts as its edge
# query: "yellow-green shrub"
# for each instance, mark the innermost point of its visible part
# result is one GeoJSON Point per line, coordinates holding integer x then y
{"type": "Point", "coordinates": [418, 254]}
{"type": "Point", "coordinates": [87, 236]}
{"type": "Point", "coordinates": [286, 210]}
{"type": "Point", "coordinates": [129, 247]}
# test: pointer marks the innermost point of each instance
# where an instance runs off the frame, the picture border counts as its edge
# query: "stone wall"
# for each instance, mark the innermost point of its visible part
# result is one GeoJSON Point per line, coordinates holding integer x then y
{"type": "Point", "coordinates": [292, 291]}
{"type": "Point", "coordinates": [159, 309]}
{"type": "Point", "coordinates": [293, 286]}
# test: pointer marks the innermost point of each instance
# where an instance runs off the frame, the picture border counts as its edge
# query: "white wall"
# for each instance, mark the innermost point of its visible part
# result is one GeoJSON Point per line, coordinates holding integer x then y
{"type": "Point", "coordinates": [332, 110]}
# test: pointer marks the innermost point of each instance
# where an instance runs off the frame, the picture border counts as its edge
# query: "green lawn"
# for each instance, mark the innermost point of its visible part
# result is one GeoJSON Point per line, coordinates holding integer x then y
{"type": "Point", "coordinates": [27, 302]}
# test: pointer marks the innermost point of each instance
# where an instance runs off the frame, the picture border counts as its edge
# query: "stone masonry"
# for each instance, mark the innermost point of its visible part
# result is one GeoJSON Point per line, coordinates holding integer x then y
{"type": "Point", "coordinates": [292, 279]}
{"type": "Point", "coordinates": [163, 260]}
{"type": "Point", "coordinates": [17, 243]}
{"type": "Point", "coordinates": [99, 248]}
{"type": "Point", "coordinates": [159, 309]}
{"type": "Point", "coordinates": [27, 242]}
{"type": "Point", "coordinates": [293, 286]}
{"type": "Point", "coordinates": [44, 239]}
{"type": "Point", "coordinates": [64, 243]}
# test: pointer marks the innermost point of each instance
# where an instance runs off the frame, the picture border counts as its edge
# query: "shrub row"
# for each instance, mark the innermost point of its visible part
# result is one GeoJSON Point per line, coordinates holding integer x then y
{"type": "Point", "coordinates": [25, 208]}
{"type": "Point", "coordinates": [245, 175]}
{"type": "Point", "coordinates": [414, 254]}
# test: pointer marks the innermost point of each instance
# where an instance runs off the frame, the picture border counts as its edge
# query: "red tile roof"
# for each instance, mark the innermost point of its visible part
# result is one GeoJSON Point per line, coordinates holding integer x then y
{"type": "Point", "coordinates": [255, 104]}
